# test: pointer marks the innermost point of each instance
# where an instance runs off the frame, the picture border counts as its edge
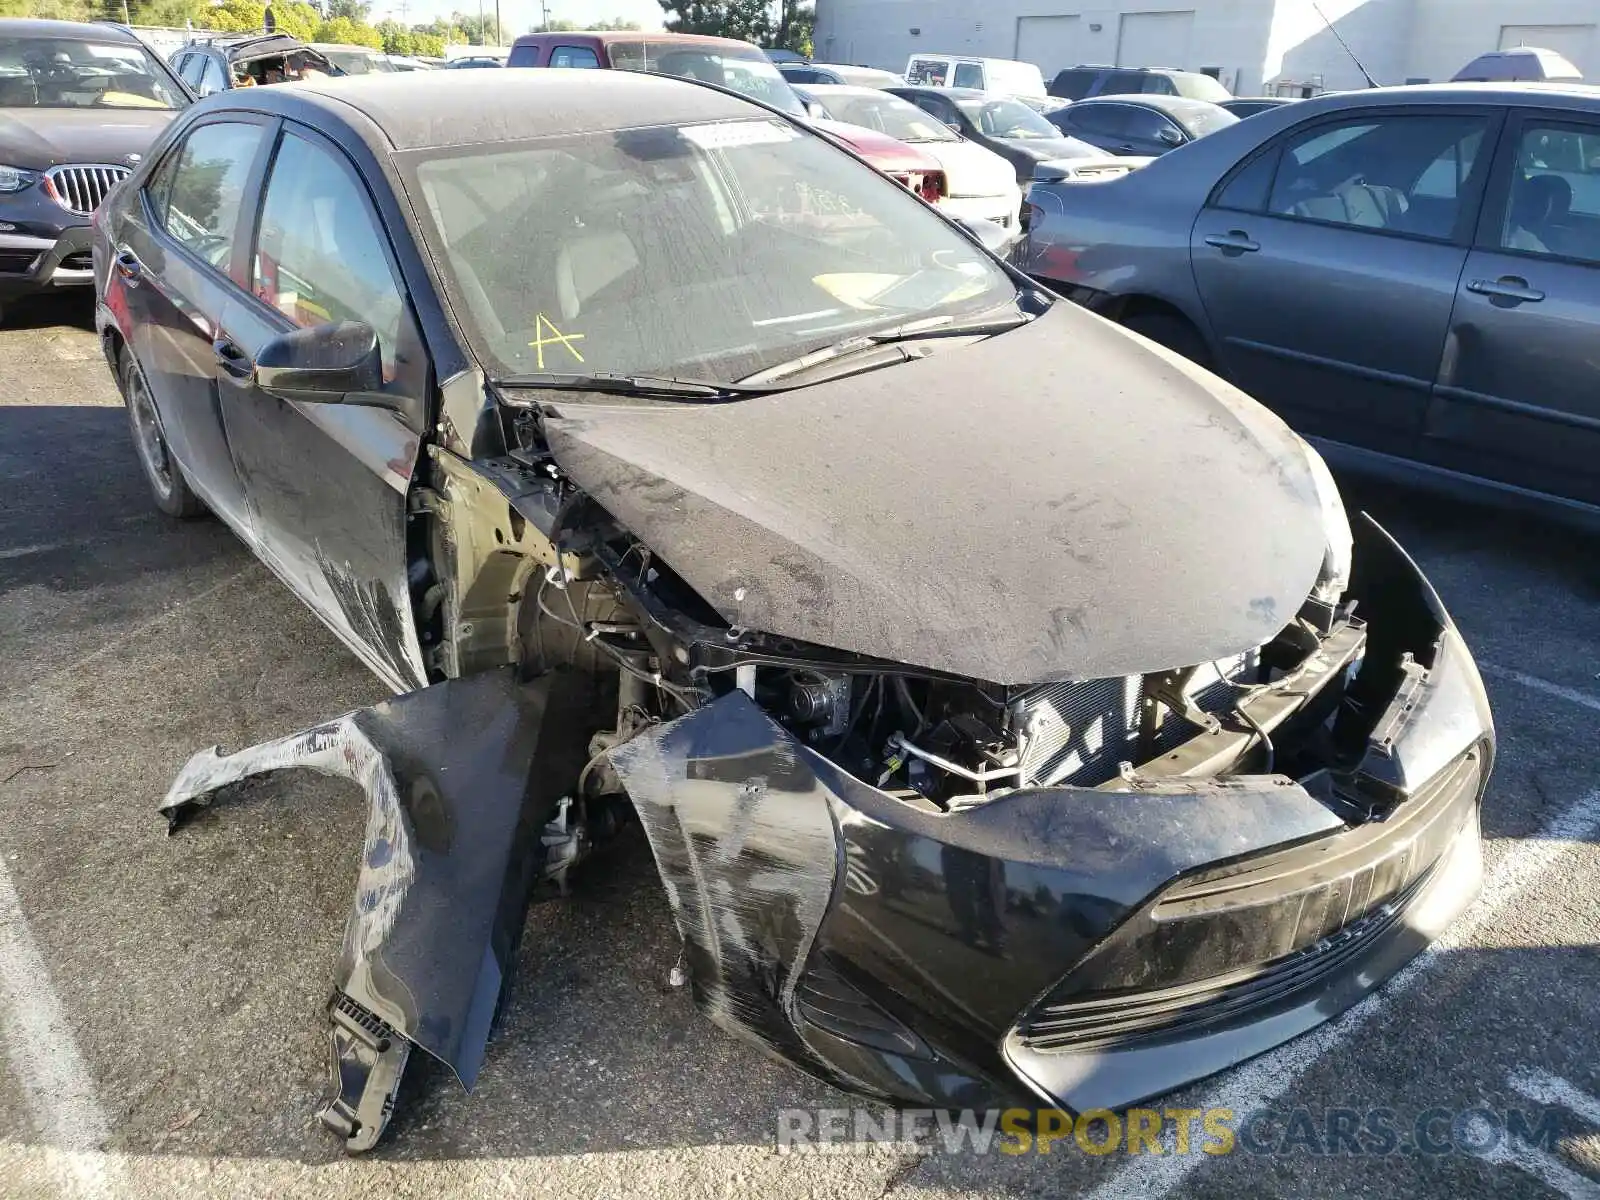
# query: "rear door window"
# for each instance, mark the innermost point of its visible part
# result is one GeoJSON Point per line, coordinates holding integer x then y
{"type": "Point", "coordinates": [574, 56]}
{"type": "Point", "coordinates": [1553, 207]}
{"type": "Point", "coordinates": [1073, 84]}
{"type": "Point", "coordinates": [212, 80]}
{"type": "Point", "coordinates": [1143, 124]}
{"type": "Point", "coordinates": [1107, 120]}
{"type": "Point", "coordinates": [928, 72]}
{"type": "Point", "coordinates": [1121, 83]}
{"type": "Point", "coordinates": [1382, 173]}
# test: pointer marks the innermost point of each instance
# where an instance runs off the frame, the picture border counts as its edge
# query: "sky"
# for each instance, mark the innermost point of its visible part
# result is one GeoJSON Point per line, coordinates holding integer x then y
{"type": "Point", "coordinates": [517, 15]}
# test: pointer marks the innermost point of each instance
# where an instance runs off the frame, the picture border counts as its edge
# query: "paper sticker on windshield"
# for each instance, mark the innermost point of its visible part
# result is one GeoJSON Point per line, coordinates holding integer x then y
{"type": "Point", "coordinates": [546, 334]}
{"type": "Point", "coordinates": [737, 133]}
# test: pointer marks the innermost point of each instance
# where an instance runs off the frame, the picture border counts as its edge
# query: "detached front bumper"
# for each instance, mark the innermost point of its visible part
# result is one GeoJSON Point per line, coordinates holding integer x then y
{"type": "Point", "coordinates": [1086, 948]}
{"type": "Point", "coordinates": [31, 262]}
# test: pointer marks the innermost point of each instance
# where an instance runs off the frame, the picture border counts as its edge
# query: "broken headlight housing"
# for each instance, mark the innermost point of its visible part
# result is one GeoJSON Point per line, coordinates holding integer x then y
{"type": "Point", "coordinates": [1334, 579]}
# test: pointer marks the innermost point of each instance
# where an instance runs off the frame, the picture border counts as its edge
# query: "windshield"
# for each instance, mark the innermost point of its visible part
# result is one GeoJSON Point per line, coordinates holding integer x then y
{"type": "Point", "coordinates": [887, 114]}
{"type": "Point", "coordinates": [1201, 119]}
{"type": "Point", "coordinates": [1007, 119]}
{"type": "Point", "coordinates": [1200, 87]}
{"type": "Point", "coordinates": [743, 69]}
{"type": "Point", "coordinates": [74, 73]}
{"type": "Point", "coordinates": [705, 251]}
{"type": "Point", "coordinates": [355, 62]}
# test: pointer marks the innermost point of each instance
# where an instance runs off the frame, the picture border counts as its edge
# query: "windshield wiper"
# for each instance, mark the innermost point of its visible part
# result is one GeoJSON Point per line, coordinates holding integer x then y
{"type": "Point", "coordinates": [928, 327]}
{"type": "Point", "coordinates": [648, 386]}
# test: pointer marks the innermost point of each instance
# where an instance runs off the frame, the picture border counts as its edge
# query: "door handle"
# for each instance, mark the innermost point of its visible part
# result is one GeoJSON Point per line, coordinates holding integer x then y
{"type": "Point", "coordinates": [1507, 287]}
{"type": "Point", "coordinates": [1236, 240]}
{"type": "Point", "coordinates": [231, 359]}
{"type": "Point", "coordinates": [128, 266]}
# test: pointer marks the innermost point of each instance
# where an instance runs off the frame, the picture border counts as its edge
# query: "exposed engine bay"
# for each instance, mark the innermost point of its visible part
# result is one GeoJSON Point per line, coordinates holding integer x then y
{"type": "Point", "coordinates": [592, 597]}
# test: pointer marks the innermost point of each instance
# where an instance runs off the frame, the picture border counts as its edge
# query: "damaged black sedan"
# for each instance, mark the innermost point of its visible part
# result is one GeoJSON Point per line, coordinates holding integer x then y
{"type": "Point", "coordinates": [1011, 709]}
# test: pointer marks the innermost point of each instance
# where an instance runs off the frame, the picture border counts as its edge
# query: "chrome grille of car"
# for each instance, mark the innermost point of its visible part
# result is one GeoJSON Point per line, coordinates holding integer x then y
{"type": "Point", "coordinates": [80, 188]}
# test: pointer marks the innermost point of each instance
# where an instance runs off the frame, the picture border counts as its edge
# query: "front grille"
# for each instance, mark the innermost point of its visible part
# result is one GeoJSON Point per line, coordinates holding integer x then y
{"type": "Point", "coordinates": [1227, 942]}
{"type": "Point", "coordinates": [17, 262]}
{"type": "Point", "coordinates": [81, 188]}
{"type": "Point", "coordinates": [83, 260]}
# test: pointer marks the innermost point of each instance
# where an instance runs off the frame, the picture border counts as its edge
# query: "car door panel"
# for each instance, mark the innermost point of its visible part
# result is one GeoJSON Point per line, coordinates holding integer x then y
{"type": "Point", "coordinates": [1328, 305]}
{"type": "Point", "coordinates": [1518, 400]}
{"type": "Point", "coordinates": [183, 246]}
{"type": "Point", "coordinates": [327, 482]}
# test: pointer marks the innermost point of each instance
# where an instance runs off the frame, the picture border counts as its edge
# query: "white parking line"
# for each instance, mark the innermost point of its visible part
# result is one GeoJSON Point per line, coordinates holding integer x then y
{"type": "Point", "coordinates": [1556, 1092]}
{"type": "Point", "coordinates": [1260, 1081]}
{"type": "Point", "coordinates": [44, 1056]}
{"type": "Point", "coordinates": [1533, 682]}
{"type": "Point", "coordinates": [1547, 1168]}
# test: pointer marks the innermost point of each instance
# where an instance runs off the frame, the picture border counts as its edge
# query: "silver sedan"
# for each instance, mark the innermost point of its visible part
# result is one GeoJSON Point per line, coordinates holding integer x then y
{"type": "Point", "coordinates": [1410, 276]}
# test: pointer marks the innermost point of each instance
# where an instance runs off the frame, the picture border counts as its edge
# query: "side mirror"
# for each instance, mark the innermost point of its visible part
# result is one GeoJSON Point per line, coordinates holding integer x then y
{"type": "Point", "coordinates": [815, 111]}
{"type": "Point", "coordinates": [953, 126]}
{"type": "Point", "coordinates": [1171, 137]}
{"type": "Point", "coordinates": [324, 363]}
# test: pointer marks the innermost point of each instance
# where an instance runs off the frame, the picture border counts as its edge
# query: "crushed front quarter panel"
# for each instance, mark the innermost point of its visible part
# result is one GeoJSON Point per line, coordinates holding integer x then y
{"type": "Point", "coordinates": [460, 779]}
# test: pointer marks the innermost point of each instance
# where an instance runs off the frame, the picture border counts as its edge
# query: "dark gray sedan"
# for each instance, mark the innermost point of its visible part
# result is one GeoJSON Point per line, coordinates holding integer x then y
{"type": "Point", "coordinates": [1013, 130]}
{"type": "Point", "coordinates": [1141, 125]}
{"type": "Point", "coordinates": [1409, 275]}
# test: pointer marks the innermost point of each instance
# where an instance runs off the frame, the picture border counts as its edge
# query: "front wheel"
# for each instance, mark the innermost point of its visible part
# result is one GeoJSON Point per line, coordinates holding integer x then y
{"type": "Point", "coordinates": [161, 470]}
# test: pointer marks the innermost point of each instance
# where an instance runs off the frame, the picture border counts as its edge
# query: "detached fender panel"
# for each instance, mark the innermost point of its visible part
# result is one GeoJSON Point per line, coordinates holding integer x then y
{"type": "Point", "coordinates": [460, 779]}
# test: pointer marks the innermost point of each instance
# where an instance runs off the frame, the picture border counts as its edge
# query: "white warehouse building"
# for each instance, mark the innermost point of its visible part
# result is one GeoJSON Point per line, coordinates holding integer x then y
{"type": "Point", "coordinates": [1254, 46]}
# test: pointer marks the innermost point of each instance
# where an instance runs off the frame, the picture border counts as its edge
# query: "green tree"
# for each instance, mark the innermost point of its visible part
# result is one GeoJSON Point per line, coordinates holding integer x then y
{"type": "Point", "coordinates": [426, 45]}
{"type": "Point", "coordinates": [561, 25]}
{"type": "Point", "coordinates": [351, 10]}
{"type": "Point", "coordinates": [348, 32]}
{"type": "Point", "coordinates": [475, 30]}
{"type": "Point", "coordinates": [747, 20]}
{"type": "Point", "coordinates": [296, 19]}
{"type": "Point", "coordinates": [236, 16]}
{"type": "Point", "coordinates": [797, 25]}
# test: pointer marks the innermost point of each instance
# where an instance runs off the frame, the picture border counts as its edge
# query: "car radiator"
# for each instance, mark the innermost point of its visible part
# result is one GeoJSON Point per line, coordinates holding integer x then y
{"type": "Point", "coordinates": [1082, 731]}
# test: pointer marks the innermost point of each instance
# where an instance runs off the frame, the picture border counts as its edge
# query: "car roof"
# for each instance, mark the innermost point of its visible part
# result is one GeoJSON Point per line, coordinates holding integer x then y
{"type": "Point", "coordinates": [844, 89]}
{"type": "Point", "coordinates": [342, 46]}
{"type": "Point", "coordinates": [1177, 105]}
{"type": "Point", "coordinates": [266, 43]}
{"type": "Point", "coordinates": [953, 93]}
{"type": "Point", "coordinates": [1581, 96]}
{"type": "Point", "coordinates": [607, 36]}
{"type": "Point", "coordinates": [86, 31]}
{"type": "Point", "coordinates": [413, 110]}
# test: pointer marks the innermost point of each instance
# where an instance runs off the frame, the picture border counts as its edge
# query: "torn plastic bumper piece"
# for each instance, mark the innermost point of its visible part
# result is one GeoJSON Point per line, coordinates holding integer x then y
{"type": "Point", "coordinates": [1078, 947]}
{"type": "Point", "coordinates": [460, 779]}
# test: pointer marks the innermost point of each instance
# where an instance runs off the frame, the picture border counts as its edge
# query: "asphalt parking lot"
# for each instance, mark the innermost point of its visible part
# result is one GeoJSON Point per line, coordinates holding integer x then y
{"type": "Point", "coordinates": [161, 1000]}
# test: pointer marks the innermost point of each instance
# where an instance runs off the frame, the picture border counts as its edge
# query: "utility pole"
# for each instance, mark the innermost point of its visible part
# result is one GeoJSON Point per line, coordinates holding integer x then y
{"type": "Point", "coordinates": [497, 39]}
{"type": "Point", "coordinates": [480, 22]}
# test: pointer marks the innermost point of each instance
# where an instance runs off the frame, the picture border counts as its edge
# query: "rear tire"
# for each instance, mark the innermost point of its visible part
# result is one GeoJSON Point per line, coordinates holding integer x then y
{"type": "Point", "coordinates": [165, 477]}
{"type": "Point", "coordinates": [1175, 333]}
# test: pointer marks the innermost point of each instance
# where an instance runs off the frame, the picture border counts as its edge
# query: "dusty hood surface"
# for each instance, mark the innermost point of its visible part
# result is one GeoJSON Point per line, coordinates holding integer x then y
{"type": "Point", "coordinates": [1058, 502]}
{"type": "Point", "coordinates": [38, 138]}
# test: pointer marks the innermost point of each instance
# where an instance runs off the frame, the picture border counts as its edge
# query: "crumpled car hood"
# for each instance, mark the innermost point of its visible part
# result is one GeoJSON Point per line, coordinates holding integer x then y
{"type": "Point", "coordinates": [1060, 502]}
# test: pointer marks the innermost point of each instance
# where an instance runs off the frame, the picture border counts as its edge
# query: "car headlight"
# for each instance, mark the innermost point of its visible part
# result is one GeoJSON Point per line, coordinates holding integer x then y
{"type": "Point", "coordinates": [1335, 577]}
{"type": "Point", "coordinates": [14, 179]}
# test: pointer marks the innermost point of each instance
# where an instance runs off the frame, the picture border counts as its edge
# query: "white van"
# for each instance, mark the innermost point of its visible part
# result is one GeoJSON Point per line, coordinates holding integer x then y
{"type": "Point", "coordinates": [1002, 75]}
